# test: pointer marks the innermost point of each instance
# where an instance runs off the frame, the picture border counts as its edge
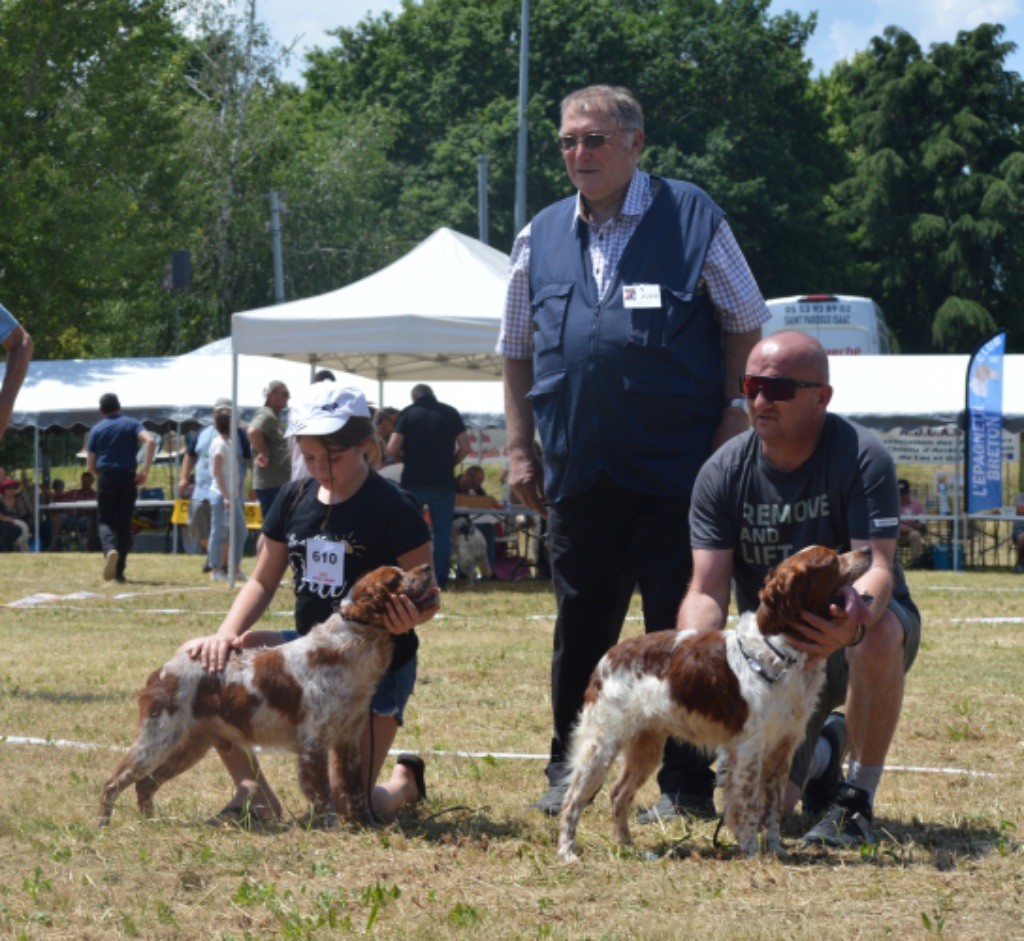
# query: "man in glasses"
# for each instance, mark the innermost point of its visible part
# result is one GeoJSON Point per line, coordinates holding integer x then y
{"type": "Point", "coordinates": [629, 316]}
{"type": "Point", "coordinates": [802, 477]}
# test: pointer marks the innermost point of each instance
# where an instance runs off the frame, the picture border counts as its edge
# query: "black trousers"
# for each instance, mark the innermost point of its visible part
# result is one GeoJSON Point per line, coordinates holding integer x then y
{"type": "Point", "coordinates": [604, 544]}
{"type": "Point", "coordinates": [115, 503]}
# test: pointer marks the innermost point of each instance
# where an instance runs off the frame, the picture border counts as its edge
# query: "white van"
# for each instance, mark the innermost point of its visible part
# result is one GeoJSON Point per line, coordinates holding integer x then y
{"type": "Point", "coordinates": [844, 325]}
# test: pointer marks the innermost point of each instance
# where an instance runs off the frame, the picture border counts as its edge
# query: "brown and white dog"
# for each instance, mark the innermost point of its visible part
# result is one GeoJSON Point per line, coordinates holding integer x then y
{"type": "Point", "coordinates": [311, 696]}
{"type": "Point", "coordinates": [746, 691]}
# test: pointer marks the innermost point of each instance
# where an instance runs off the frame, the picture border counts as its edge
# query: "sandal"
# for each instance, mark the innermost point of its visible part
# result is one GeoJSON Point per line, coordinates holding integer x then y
{"type": "Point", "coordinates": [415, 764]}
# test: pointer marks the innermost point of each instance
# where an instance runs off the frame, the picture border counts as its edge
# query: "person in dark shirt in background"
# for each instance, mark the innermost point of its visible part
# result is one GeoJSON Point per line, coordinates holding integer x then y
{"type": "Point", "coordinates": [113, 448]}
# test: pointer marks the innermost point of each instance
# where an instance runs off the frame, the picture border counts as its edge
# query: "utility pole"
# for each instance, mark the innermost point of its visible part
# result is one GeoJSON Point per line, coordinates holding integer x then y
{"type": "Point", "coordinates": [481, 197]}
{"type": "Point", "coordinates": [275, 238]}
{"type": "Point", "coordinates": [524, 90]}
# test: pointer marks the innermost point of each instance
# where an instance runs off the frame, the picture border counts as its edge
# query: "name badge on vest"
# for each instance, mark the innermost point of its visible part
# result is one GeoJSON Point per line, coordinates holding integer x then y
{"type": "Point", "coordinates": [641, 295]}
{"type": "Point", "coordinates": [325, 562]}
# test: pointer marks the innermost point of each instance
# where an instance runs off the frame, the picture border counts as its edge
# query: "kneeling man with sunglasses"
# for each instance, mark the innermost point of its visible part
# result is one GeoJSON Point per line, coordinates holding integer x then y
{"type": "Point", "coordinates": [801, 477]}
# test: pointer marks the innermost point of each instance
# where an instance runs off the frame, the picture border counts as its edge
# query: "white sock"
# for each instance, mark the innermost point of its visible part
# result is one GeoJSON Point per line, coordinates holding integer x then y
{"type": "Point", "coordinates": [820, 759]}
{"type": "Point", "coordinates": [866, 777]}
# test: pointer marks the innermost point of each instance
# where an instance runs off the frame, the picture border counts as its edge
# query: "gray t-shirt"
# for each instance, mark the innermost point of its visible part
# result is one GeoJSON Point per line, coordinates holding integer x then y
{"type": "Point", "coordinates": [846, 490]}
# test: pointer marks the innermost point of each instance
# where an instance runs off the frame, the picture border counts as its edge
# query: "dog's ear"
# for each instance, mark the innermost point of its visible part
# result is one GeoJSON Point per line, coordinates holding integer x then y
{"type": "Point", "coordinates": [370, 595]}
{"type": "Point", "coordinates": [779, 604]}
{"type": "Point", "coordinates": [805, 581]}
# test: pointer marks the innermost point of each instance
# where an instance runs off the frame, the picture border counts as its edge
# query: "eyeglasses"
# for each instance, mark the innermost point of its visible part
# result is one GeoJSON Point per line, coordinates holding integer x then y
{"type": "Point", "coordinates": [774, 388]}
{"type": "Point", "coordinates": [590, 141]}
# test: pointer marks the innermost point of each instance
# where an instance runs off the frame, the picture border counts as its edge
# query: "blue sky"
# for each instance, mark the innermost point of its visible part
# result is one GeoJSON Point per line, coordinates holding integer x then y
{"type": "Point", "coordinates": [844, 26]}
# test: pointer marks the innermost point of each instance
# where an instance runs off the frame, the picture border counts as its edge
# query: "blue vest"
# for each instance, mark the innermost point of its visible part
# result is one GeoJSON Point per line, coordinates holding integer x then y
{"type": "Point", "coordinates": [635, 392]}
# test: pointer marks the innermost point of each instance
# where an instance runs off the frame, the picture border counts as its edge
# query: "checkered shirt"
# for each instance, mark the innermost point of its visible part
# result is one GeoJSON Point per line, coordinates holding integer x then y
{"type": "Point", "coordinates": [730, 284]}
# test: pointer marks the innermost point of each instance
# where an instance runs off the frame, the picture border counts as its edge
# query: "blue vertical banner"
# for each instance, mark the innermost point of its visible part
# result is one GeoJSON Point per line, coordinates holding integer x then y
{"type": "Point", "coordinates": [984, 451]}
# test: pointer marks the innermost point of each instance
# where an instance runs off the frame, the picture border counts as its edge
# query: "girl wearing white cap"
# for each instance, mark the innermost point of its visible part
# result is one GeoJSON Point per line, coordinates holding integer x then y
{"type": "Point", "coordinates": [343, 505]}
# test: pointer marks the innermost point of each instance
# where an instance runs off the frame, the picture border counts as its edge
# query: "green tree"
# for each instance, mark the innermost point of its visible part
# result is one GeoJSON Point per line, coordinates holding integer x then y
{"type": "Point", "coordinates": [725, 86]}
{"type": "Point", "coordinates": [87, 168]}
{"type": "Point", "coordinates": [932, 204]}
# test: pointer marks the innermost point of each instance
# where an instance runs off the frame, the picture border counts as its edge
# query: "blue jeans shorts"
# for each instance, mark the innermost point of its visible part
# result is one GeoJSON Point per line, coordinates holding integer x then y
{"type": "Point", "coordinates": [393, 690]}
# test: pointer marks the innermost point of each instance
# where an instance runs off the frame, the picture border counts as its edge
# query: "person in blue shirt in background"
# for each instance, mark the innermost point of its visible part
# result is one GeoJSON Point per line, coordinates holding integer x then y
{"type": "Point", "coordinates": [113, 447]}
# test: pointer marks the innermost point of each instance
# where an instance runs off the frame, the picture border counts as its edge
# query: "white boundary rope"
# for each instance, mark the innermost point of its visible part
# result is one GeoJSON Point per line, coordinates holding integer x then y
{"type": "Point", "coordinates": [502, 756]}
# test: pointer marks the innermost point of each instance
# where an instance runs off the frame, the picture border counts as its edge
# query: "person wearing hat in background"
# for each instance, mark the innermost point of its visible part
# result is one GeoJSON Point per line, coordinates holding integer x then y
{"type": "Point", "coordinates": [113, 448]}
{"type": "Point", "coordinates": [19, 354]}
{"type": "Point", "coordinates": [346, 505]}
{"type": "Point", "coordinates": [911, 530]}
{"type": "Point", "coordinates": [271, 460]}
{"type": "Point", "coordinates": [197, 461]}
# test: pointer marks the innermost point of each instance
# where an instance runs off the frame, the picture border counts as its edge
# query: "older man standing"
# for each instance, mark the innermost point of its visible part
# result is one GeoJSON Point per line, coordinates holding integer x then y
{"type": "Point", "coordinates": [271, 456]}
{"type": "Point", "coordinates": [629, 316]}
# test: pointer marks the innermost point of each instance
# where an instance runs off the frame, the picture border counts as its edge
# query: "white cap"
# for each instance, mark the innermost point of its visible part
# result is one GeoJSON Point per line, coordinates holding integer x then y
{"type": "Point", "coordinates": [325, 408]}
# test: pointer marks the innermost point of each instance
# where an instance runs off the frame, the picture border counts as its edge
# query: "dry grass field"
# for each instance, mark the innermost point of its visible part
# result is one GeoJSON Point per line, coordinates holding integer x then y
{"type": "Point", "coordinates": [472, 862]}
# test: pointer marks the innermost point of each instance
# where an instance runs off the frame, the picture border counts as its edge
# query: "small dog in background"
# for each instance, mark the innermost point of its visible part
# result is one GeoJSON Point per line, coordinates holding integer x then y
{"type": "Point", "coordinates": [471, 551]}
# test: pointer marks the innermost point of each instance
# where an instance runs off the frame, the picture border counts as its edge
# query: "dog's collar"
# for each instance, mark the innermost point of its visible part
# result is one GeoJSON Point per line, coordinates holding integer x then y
{"type": "Point", "coordinates": [756, 665]}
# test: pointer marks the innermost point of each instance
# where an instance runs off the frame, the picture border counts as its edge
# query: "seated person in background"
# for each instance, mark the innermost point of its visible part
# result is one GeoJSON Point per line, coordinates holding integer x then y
{"type": "Point", "coordinates": [383, 424]}
{"type": "Point", "coordinates": [83, 521]}
{"type": "Point", "coordinates": [471, 483]}
{"type": "Point", "coordinates": [1018, 533]}
{"type": "Point", "coordinates": [87, 491]}
{"type": "Point", "coordinates": [16, 530]}
{"type": "Point", "coordinates": [911, 530]}
{"type": "Point", "coordinates": [62, 521]}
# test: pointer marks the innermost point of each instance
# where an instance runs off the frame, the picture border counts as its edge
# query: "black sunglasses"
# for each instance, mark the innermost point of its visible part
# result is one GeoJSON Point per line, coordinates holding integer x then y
{"type": "Point", "coordinates": [774, 388]}
{"type": "Point", "coordinates": [590, 141]}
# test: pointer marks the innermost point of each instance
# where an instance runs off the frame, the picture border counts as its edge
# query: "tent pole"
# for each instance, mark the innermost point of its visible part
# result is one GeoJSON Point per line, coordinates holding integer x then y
{"type": "Point", "coordinates": [233, 534]}
{"type": "Point", "coordinates": [177, 476]}
{"type": "Point", "coordinates": [35, 474]}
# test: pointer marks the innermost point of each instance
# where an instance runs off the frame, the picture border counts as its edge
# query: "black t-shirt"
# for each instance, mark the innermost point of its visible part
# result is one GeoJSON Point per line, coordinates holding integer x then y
{"type": "Point", "coordinates": [845, 490]}
{"type": "Point", "coordinates": [372, 528]}
{"type": "Point", "coordinates": [429, 429]}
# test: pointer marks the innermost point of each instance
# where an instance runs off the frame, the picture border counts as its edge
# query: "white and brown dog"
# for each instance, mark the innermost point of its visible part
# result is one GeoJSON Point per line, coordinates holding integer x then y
{"type": "Point", "coordinates": [471, 550]}
{"type": "Point", "coordinates": [746, 691]}
{"type": "Point", "coordinates": [311, 696]}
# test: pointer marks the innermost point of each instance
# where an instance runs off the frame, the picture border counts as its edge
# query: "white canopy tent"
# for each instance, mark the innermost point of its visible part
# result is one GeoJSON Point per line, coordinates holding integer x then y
{"type": "Point", "coordinates": [431, 315]}
{"type": "Point", "coordinates": [162, 391]}
{"type": "Point", "coordinates": [911, 391]}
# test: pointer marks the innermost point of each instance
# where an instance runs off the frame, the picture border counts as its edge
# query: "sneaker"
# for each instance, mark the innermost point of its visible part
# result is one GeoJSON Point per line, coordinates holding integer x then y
{"type": "Point", "coordinates": [240, 576]}
{"type": "Point", "coordinates": [207, 568]}
{"type": "Point", "coordinates": [678, 804]}
{"type": "Point", "coordinates": [110, 565]}
{"type": "Point", "coordinates": [218, 575]}
{"type": "Point", "coordinates": [846, 824]}
{"type": "Point", "coordinates": [550, 802]}
{"type": "Point", "coordinates": [819, 793]}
